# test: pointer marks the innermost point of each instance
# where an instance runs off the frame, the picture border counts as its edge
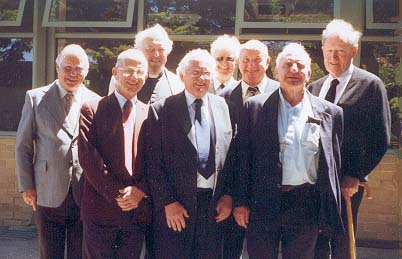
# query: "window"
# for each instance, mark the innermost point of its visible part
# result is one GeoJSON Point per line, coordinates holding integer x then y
{"type": "Point", "coordinates": [15, 80]}
{"type": "Point", "coordinates": [90, 13]}
{"type": "Point", "coordinates": [11, 12]}
{"type": "Point", "coordinates": [185, 17]}
{"type": "Point", "coordinates": [288, 13]}
{"type": "Point", "coordinates": [383, 14]}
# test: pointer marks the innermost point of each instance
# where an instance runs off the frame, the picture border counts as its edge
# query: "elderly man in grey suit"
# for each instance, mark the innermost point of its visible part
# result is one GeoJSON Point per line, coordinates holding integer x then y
{"type": "Point", "coordinates": [49, 175]}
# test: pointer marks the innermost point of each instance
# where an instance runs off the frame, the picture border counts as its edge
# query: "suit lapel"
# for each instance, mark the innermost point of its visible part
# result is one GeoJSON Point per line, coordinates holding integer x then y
{"type": "Point", "coordinates": [183, 118]}
{"type": "Point", "coordinates": [351, 84]}
{"type": "Point", "coordinates": [55, 107]}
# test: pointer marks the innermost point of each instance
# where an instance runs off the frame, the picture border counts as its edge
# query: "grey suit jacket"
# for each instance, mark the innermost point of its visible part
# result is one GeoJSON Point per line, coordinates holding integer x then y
{"type": "Point", "coordinates": [46, 147]}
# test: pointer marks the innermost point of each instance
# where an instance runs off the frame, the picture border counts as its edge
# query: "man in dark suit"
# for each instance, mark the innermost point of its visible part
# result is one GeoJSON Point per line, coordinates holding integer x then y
{"type": "Point", "coordinates": [363, 98]}
{"type": "Point", "coordinates": [49, 175]}
{"type": "Point", "coordinates": [289, 157]}
{"type": "Point", "coordinates": [253, 63]}
{"type": "Point", "coordinates": [191, 134]}
{"type": "Point", "coordinates": [115, 207]}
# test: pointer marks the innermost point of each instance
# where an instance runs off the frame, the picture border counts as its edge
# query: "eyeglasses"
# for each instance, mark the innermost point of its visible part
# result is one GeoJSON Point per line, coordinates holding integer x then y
{"type": "Point", "coordinates": [228, 59]}
{"type": "Point", "coordinates": [127, 71]}
{"type": "Point", "coordinates": [198, 74]}
{"type": "Point", "coordinates": [70, 69]}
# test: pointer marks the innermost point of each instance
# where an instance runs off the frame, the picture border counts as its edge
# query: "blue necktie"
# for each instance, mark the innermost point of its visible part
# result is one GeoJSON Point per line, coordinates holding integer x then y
{"type": "Point", "coordinates": [206, 156]}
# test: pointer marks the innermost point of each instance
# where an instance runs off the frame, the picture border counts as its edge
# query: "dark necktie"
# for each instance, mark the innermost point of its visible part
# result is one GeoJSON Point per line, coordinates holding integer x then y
{"type": "Point", "coordinates": [222, 86]}
{"type": "Point", "coordinates": [252, 91]}
{"type": "Point", "coordinates": [206, 156]}
{"type": "Point", "coordinates": [69, 102]}
{"type": "Point", "coordinates": [330, 97]}
{"type": "Point", "coordinates": [128, 106]}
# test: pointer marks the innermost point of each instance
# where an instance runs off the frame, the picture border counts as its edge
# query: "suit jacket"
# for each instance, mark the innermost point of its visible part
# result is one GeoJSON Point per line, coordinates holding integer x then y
{"type": "Point", "coordinates": [367, 122]}
{"type": "Point", "coordinates": [234, 95]}
{"type": "Point", "coordinates": [172, 171]}
{"type": "Point", "coordinates": [46, 147]}
{"type": "Point", "coordinates": [101, 152]}
{"type": "Point", "coordinates": [259, 170]}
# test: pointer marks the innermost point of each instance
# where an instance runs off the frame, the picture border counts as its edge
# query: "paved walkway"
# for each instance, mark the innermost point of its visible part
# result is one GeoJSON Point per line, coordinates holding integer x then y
{"type": "Point", "coordinates": [22, 243]}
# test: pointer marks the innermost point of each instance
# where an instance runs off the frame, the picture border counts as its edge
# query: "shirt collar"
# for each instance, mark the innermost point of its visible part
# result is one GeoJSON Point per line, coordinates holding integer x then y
{"type": "Point", "coordinates": [217, 83]}
{"type": "Point", "coordinates": [344, 76]}
{"type": "Point", "coordinates": [191, 98]}
{"type": "Point", "coordinates": [122, 100]}
{"type": "Point", "coordinates": [261, 86]}
{"type": "Point", "coordinates": [77, 94]}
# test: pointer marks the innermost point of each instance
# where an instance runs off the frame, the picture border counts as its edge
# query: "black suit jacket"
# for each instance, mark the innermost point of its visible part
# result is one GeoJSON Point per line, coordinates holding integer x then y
{"type": "Point", "coordinates": [101, 153]}
{"type": "Point", "coordinates": [367, 122]}
{"type": "Point", "coordinates": [259, 170]}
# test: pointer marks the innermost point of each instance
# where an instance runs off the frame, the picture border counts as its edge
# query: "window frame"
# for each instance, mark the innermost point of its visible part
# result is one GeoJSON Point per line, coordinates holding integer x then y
{"type": "Point", "coordinates": [127, 23]}
{"type": "Point", "coordinates": [370, 24]}
{"type": "Point", "coordinates": [18, 20]}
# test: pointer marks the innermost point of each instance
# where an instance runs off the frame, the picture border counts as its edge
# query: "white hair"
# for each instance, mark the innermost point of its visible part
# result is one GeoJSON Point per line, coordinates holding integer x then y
{"type": "Point", "coordinates": [294, 48]}
{"type": "Point", "coordinates": [226, 42]}
{"type": "Point", "coordinates": [255, 45]}
{"type": "Point", "coordinates": [133, 54]}
{"type": "Point", "coordinates": [343, 30]}
{"type": "Point", "coordinates": [73, 50]}
{"type": "Point", "coordinates": [200, 55]}
{"type": "Point", "coordinates": [155, 32]}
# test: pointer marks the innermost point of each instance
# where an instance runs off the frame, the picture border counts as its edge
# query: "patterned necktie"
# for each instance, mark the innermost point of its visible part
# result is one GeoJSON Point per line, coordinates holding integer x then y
{"type": "Point", "coordinates": [69, 102]}
{"type": "Point", "coordinates": [206, 156]}
{"type": "Point", "coordinates": [128, 106]}
{"type": "Point", "coordinates": [332, 91]}
{"type": "Point", "coordinates": [252, 91]}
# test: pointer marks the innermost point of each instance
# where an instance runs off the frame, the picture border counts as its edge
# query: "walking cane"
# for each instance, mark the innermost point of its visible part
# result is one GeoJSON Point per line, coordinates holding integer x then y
{"type": "Point", "coordinates": [352, 242]}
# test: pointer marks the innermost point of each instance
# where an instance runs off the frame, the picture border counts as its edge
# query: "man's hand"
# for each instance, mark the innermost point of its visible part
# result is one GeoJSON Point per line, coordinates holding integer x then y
{"type": "Point", "coordinates": [349, 186]}
{"type": "Point", "coordinates": [241, 215]}
{"type": "Point", "coordinates": [175, 216]}
{"type": "Point", "coordinates": [129, 198]}
{"type": "Point", "coordinates": [29, 197]}
{"type": "Point", "coordinates": [223, 208]}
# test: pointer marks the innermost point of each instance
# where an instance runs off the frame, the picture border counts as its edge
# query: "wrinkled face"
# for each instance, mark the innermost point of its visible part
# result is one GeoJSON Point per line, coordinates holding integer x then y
{"type": "Point", "coordinates": [252, 66]}
{"type": "Point", "coordinates": [293, 72]}
{"type": "Point", "coordinates": [71, 72]}
{"type": "Point", "coordinates": [225, 63]}
{"type": "Point", "coordinates": [338, 55]}
{"type": "Point", "coordinates": [156, 55]}
{"type": "Point", "coordinates": [196, 78]}
{"type": "Point", "coordinates": [130, 77]}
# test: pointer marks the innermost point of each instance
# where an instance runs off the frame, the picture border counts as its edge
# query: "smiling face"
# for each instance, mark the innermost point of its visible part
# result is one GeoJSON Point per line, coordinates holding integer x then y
{"type": "Point", "coordinates": [293, 71]}
{"type": "Point", "coordinates": [252, 66]}
{"type": "Point", "coordinates": [130, 77]}
{"type": "Point", "coordinates": [197, 78]}
{"type": "Point", "coordinates": [225, 64]}
{"type": "Point", "coordinates": [156, 55]}
{"type": "Point", "coordinates": [71, 72]}
{"type": "Point", "coordinates": [338, 55]}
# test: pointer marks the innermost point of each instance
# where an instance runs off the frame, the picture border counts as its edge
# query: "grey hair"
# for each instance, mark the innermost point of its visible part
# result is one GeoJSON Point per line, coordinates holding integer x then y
{"type": "Point", "coordinates": [255, 45]}
{"type": "Point", "coordinates": [294, 48]}
{"type": "Point", "coordinates": [343, 30]}
{"type": "Point", "coordinates": [196, 55]}
{"type": "Point", "coordinates": [155, 32]}
{"type": "Point", "coordinates": [226, 42]}
{"type": "Point", "coordinates": [134, 54]}
{"type": "Point", "coordinates": [73, 50]}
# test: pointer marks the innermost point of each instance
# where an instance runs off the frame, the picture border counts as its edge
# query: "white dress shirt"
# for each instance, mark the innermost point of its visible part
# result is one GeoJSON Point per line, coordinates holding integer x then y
{"type": "Point", "coordinates": [201, 181]}
{"type": "Point", "coordinates": [217, 84]}
{"type": "Point", "coordinates": [74, 114]}
{"type": "Point", "coordinates": [340, 88]}
{"type": "Point", "coordinates": [299, 142]}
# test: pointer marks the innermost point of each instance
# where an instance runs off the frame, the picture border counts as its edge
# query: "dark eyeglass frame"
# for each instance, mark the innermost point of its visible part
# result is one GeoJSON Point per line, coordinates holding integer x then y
{"type": "Point", "coordinates": [228, 59]}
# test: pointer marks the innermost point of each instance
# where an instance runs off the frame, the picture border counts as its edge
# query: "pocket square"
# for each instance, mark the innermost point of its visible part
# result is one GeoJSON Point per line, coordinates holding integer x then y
{"type": "Point", "coordinates": [313, 120]}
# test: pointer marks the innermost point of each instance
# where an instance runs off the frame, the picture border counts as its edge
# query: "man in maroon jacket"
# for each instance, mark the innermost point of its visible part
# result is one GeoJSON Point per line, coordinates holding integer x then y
{"type": "Point", "coordinates": [115, 207]}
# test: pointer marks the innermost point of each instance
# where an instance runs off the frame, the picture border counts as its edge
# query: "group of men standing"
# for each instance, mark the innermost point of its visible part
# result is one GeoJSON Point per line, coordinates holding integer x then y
{"type": "Point", "coordinates": [194, 163]}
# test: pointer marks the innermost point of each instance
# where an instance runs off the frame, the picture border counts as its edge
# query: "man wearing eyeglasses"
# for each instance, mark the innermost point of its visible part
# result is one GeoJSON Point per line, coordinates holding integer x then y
{"type": "Point", "coordinates": [49, 175]}
{"type": "Point", "coordinates": [191, 133]}
{"type": "Point", "coordinates": [225, 51]}
{"type": "Point", "coordinates": [115, 207]}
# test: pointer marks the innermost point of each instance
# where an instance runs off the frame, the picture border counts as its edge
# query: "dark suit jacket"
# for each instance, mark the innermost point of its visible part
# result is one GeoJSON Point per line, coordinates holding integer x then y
{"type": "Point", "coordinates": [366, 120]}
{"type": "Point", "coordinates": [259, 170]}
{"type": "Point", "coordinates": [101, 153]}
{"type": "Point", "coordinates": [172, 171]}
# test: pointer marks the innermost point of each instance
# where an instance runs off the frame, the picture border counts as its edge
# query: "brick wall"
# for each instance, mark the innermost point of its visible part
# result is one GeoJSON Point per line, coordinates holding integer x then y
{"type": "Point", "coordinates": [379, 218]}
{"type": "Point", "coordinates": [12, 209]}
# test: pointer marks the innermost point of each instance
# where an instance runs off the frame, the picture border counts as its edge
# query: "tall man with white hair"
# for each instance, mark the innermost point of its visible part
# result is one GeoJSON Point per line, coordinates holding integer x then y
{"type": "Point", "coordinates": [288, 164]}
{"type": "Point", "coordinates": [191, 133]}
{"type": "Point", "coordinates": [225, 50]}
{"type": "Point", "coordinates": [49, 175]}
{"type": "Point", "coordinates": [115, 207]}
{"type": "Point", "coordinates": [363, 98]}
